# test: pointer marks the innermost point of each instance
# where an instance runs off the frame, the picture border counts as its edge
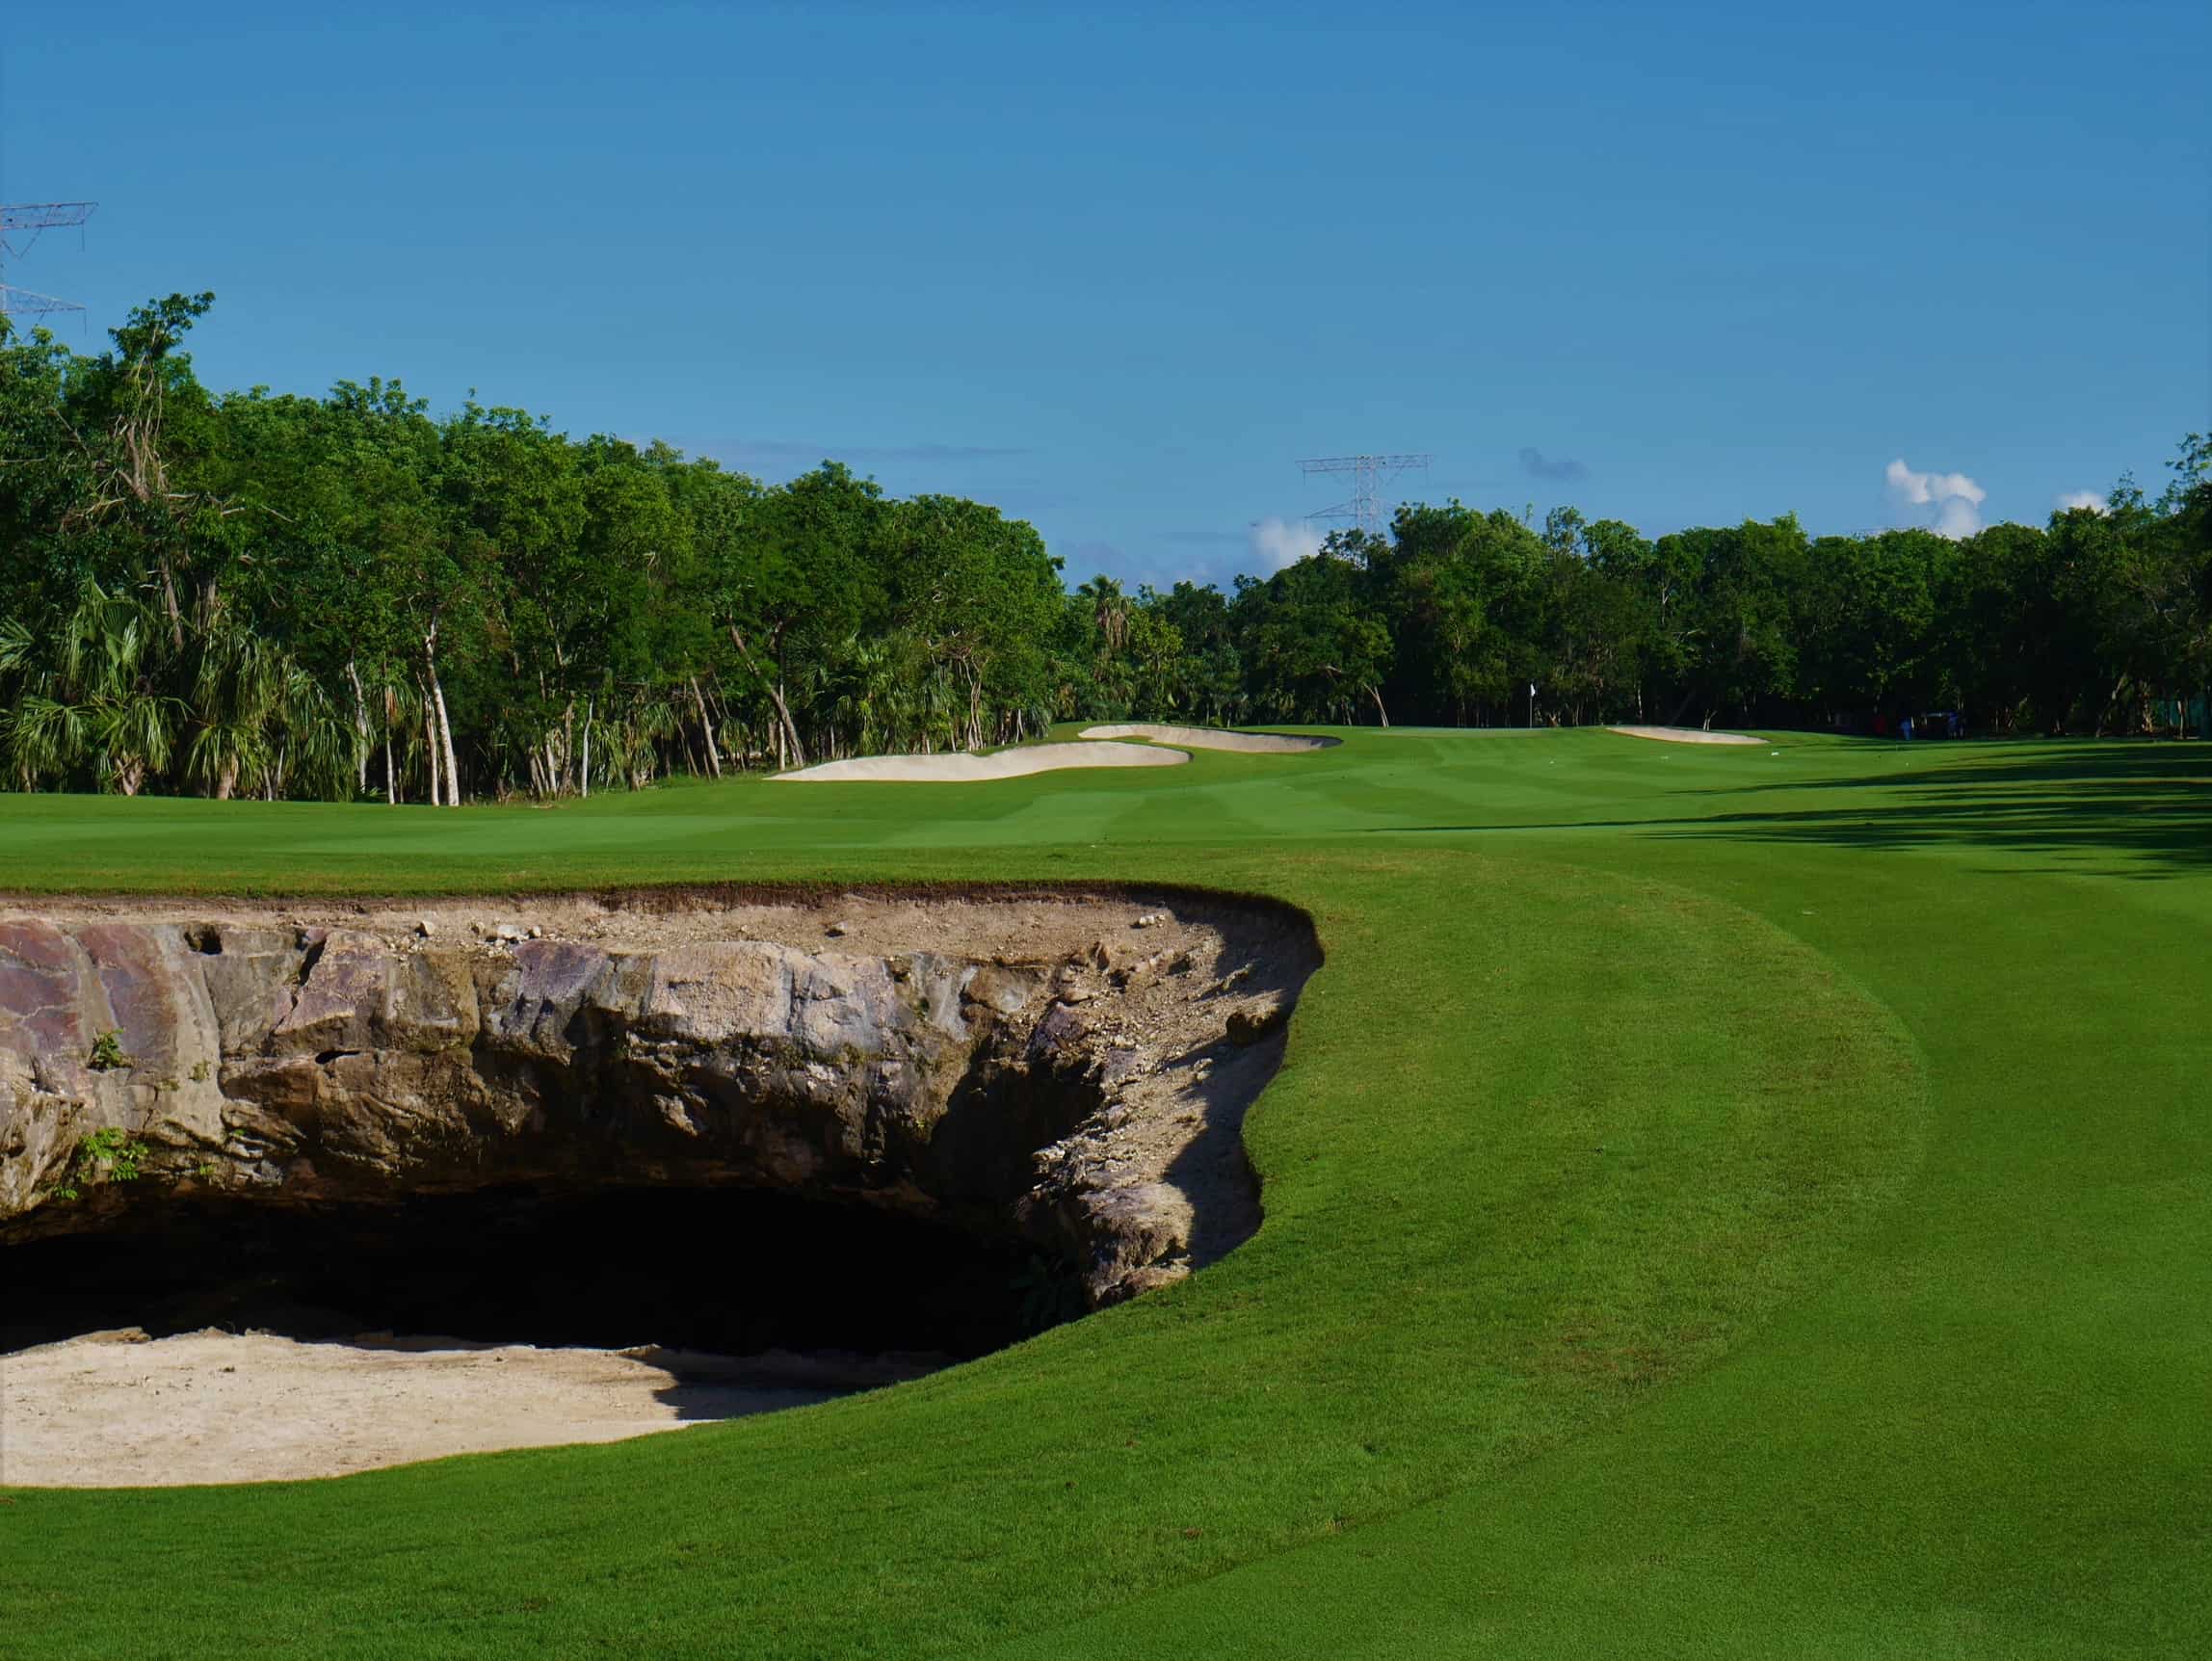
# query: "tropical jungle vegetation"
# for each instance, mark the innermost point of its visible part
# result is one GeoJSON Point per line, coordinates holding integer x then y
{"type": "Point", "coordinates": [350, 597]}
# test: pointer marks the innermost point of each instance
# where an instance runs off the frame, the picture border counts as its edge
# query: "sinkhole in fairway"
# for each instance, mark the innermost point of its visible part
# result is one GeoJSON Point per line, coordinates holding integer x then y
{"type": "Point", "coordinates": [311, 1188]}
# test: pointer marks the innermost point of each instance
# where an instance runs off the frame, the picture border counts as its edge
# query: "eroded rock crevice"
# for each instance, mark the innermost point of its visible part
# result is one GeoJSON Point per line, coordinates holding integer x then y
{"type": "Point", "coordinates": [1064, 1075]}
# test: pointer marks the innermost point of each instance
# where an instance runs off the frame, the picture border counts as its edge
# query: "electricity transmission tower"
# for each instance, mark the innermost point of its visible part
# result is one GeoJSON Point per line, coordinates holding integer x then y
{"type": "Point", "coordinates": [15, 219]}
{"type": "Point", "coordinates": [1370, 475]}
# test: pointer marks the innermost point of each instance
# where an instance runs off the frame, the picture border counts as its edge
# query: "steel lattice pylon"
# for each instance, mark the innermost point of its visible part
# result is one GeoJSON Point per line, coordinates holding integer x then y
{"type": "Point", "coordinates": [1362, 510]}
{"type": "Point", "coordinates": [18, 218]}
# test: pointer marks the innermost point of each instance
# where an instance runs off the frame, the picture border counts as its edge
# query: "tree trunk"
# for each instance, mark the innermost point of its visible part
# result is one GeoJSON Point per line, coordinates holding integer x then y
{"type": "Point", "coordinates": [717, 708]}
{"type": "Point", "coordinates": [1381, 714]}
{"type": "Point", "coordinates": [391, 776]}
{"type": "Point", "coordinates": [775, 696]}
{"type": "Point", "coordinates": [445, 738]}
{"type": "Point", "coordinates": [429, 751]}
{"type": "Point", "coordinates": [170, 605]}
{"type": "Point", "coordinates": [706, 726]}
{"type": "Point", "coordinates": [361, 732]}
{"type": "Point", "coordinates": [2111, 704]}
{"type": "Point", "coordinates": [584, 771]}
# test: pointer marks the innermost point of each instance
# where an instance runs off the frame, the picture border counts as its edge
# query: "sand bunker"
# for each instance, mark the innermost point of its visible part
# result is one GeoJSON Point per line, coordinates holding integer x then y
{"type": "Point", "coordinates": [961, 768]}
{"type": "Point", "coordinates": [1685, 735]}
{"type": "Point", "coordinates": [117, 1410]}
{"type": "Point", "coordinates": [1212, 737]}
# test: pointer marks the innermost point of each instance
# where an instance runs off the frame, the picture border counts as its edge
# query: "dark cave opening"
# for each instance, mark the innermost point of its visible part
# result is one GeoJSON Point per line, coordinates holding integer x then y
{"type": "Point", "coordinates": [729, 1271]}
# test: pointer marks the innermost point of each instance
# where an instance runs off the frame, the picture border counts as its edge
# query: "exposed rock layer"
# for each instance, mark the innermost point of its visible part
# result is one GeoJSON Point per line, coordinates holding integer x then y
{"type": "Point", "coordinates": [1080, 1080]}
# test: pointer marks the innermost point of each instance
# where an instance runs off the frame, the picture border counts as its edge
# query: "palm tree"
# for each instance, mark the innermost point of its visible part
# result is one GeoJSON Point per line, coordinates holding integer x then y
{"type": "Point", "coordinates": [1109, 611]}
{"type": "Point", "coordinates": [107, 670]}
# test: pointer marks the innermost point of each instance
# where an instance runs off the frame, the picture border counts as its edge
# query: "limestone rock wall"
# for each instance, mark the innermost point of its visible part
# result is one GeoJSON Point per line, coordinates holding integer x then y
{"type": "Point", "coordinates": [307, 1064]}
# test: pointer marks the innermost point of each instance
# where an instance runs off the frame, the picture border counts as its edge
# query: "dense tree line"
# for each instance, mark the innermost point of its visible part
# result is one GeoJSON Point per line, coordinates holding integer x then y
{"type": "Point", "coordinates": [2099, 621]}
{"type": "Point", "coordinates": [347, 596]}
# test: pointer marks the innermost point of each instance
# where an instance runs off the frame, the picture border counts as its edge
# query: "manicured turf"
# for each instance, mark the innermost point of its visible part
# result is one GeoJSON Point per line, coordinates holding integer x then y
{"type": "Point", "coordinates": [1718, 1202]}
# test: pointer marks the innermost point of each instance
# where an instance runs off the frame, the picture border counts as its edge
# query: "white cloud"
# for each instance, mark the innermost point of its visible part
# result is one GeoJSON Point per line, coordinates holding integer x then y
{"type": "Point", "coordinates": [1279, 542]}
{"type": "Point", "coordinates": [1955, 498]}
{"type": "Point", "coordinates": [2089, 499]}
{"type": "Point", "coordinates": [1956, 518]}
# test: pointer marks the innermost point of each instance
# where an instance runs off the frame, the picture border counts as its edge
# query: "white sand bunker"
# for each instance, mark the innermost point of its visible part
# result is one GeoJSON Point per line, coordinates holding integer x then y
{"type": "Point", "coordinates": [1685, 735]}
{"type": "Point", "coordinates": [115, 1410]}
{"type": "Point", "coordinates": [1212, 737]}
{"type": "Point", "coordinates": [961, 768]}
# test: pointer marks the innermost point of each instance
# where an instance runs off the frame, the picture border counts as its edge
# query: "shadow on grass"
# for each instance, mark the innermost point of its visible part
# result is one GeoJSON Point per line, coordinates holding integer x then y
{"type": "Point", "coordinates": [2149, 807]}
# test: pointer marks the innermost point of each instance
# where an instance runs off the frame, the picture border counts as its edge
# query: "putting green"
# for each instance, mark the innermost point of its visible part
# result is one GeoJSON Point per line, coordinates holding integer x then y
{"type": "Point", "coordinates": [1720, 1200]}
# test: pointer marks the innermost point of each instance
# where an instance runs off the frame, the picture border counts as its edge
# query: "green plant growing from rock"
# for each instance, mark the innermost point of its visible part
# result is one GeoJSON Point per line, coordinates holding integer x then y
{"type": "Point", "coordinates": [108, 1052]}
{"type": "Point", "coordinates": [1051, 1292]}
{"type": "Point", "coordinates": [107, 1155]}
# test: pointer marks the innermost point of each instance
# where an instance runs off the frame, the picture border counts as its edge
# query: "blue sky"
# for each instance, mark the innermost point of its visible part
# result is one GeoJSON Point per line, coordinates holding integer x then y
{"type": "Point", "coordinates": [1115, 268]}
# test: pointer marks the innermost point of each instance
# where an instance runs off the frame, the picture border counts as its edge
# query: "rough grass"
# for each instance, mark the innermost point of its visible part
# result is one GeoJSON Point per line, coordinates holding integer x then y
{"type": "Point", "coordinates": [1718, 1201]}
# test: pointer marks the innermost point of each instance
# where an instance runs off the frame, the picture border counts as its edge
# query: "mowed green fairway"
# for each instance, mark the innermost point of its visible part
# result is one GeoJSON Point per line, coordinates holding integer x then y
{"type": "Point", "coordinates": [1720, 1201]}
